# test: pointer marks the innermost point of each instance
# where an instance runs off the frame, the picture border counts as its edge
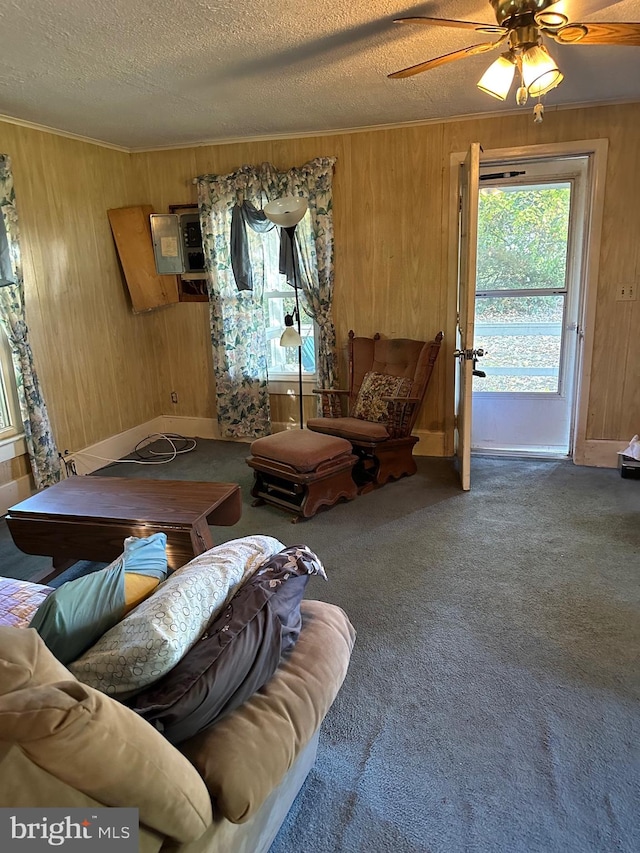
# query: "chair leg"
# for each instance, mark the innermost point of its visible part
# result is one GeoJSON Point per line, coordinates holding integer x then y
{"type": "Point", "coordinates": [365, 471]}
{"type": "Point", "coordinates": [394, 463]}
{"type": "Point", "coordinates": [390, 460]}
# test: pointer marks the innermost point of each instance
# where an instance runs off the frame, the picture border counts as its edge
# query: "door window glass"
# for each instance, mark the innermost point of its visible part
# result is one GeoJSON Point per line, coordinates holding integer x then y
{"type": "Point", "coordinates": [522, 237]}
{"type": "Point", "coordinates": [522, 251]}
{"type": "Point", "coordinates": [522, 339]}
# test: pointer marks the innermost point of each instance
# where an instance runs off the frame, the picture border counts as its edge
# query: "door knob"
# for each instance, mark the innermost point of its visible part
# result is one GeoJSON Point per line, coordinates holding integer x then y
{"type": "Point", "coordinates": [469, 354]}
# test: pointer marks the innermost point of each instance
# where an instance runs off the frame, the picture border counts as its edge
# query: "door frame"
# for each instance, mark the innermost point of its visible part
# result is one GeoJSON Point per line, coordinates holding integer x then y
{"type": "Point", "coordinates": [584, 453]}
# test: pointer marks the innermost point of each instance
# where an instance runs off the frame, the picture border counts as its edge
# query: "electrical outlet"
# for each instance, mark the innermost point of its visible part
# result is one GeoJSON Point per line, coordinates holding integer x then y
{"type": "Point", "coordinates": [174, 396]}
{"type": "Point", "coordinates": [627, 292]}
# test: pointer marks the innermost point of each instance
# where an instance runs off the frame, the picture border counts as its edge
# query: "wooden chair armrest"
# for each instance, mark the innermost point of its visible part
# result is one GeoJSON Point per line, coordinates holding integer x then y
{"type": "Point", "coordinates": [399, 413]}
{"type": "Point", "coordinates": [401, 399]}
{"type": "Point", "coordinates": [331, 401]}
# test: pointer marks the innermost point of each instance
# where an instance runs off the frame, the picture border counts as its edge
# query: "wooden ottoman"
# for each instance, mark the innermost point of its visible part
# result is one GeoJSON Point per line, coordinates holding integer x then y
{"type": "Point", "coordinates": [301, 471]}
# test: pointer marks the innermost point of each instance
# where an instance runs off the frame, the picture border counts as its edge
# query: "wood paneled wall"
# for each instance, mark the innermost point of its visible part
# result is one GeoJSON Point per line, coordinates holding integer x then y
{"type": "Point", "coordinates": [96, 360]}
{"type": "Point", "coordinates": [104, 369]}
{"type": "Point", "coordinates": [391, 195]}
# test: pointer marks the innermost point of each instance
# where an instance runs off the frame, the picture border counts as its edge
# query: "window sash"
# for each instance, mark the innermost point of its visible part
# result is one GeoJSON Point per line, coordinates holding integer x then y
{"type": "Point", "coordinates": [10, 419]}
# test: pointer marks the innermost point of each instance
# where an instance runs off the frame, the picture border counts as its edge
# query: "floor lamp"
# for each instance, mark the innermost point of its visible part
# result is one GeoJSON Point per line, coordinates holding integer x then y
{"type": "Point", "coordinates": [287, 212]}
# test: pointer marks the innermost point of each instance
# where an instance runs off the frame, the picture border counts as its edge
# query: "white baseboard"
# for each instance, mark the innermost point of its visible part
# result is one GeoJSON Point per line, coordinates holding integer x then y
{"type": "Point", "coordinates": [600, 453]}
{"type": "Point", "coordinates": [97, 455]}
{"type": "Point", "coordinates": [190, 427]}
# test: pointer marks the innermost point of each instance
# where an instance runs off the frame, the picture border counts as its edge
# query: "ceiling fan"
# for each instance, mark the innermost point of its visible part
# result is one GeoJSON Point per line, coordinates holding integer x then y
{"type": "Point", "coordinates": [520, 27]}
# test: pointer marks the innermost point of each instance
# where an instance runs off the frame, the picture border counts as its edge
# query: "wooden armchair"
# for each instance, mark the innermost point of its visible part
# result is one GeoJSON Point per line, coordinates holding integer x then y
{"type": "Point", "coordinates": [388, 379]}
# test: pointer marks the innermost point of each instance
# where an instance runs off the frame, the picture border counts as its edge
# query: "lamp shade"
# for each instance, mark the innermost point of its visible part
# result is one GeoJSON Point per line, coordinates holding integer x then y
{"type": "Point", "coordinates": [287, 211]}
{"type": "Point", "coordinates": [539, 71]}
{"type": "Point", "coordinates": [290, 338]}
{"type": "Point", "coordinates": [498, 77]}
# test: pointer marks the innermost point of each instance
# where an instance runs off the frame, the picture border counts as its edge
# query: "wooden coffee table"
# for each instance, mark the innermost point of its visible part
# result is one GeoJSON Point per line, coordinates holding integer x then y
{"type": "Point", "coordinates": [88, 518]}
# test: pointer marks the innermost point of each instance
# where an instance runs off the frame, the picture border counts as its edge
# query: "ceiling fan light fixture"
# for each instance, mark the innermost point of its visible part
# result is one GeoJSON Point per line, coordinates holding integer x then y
{"type": "Point", "coordinates": [553, 20]}
{"type": "Point", "coordinates": [540, 73]}
{"type": "Point", "coordinates": [497, 79]}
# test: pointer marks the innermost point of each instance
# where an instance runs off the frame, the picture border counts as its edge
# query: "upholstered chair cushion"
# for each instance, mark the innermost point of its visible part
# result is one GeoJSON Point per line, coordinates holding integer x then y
{"type": "Point", "coordinates": [351, 429]}
{"type": "Point", "coordinates": [300, 448]}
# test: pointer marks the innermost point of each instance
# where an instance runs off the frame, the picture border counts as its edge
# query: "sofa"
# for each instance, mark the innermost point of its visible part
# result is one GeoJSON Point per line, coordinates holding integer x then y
{"type": "Point", "coordinates": [227, 789]}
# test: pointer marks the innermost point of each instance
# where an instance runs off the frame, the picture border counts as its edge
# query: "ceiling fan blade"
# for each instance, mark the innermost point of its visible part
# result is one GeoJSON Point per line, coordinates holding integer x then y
{"type": "Point", "coordinates": [449, 22]}
{"type": "Point", "coordinates": [598, 33]}
{"type": "Point", "coordinates": [579, 8]}
{"type": "Point", "coordinates": [442, 60]}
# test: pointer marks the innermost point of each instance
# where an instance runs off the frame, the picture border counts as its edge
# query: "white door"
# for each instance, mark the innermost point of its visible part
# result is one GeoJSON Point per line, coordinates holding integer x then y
{"type": "Point", "coordinates": [531, 226]}
{"type": "Point", "coordinates": [467, 248]}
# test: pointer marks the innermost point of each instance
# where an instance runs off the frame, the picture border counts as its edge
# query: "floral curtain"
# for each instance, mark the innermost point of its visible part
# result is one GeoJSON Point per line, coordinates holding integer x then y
{"type": "Point", "coordinates": [238, 335]}
{"type": "Point", "coordinates": [237, 323]}
{"type": "Point", "coordinates": [41, 446]}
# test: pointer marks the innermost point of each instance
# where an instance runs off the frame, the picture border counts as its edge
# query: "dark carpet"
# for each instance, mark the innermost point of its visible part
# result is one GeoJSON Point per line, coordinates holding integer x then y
{"type": "Point", "coordinates": [492, 699]}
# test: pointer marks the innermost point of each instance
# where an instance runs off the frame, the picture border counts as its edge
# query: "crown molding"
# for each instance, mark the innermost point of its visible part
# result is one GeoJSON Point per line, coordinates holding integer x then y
{"type": "Point", "coordinates": [236, 140]}
{"type": "Point", "coordinates": [43, 128]}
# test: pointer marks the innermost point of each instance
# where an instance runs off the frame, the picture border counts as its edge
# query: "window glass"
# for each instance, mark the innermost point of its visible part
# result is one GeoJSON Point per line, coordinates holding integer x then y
{"type": "Point", "coordinates": [278, 300]}
{"type": "Point", "coordinates": [9, 411]}
{"type": "Point", "coordinates": [522, 252]}
{"type": "Point", "coordinates": [522, 237]}
{"type": "Point", "coordinates": [521, 338]}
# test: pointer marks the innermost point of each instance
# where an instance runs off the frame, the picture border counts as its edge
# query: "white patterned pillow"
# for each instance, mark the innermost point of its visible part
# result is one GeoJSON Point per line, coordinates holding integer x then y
{"type": "Point", "coordinates": [151, 640]}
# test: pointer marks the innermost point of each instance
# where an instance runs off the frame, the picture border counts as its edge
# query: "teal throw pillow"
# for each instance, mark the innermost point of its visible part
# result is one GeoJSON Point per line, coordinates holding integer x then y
{"type": "Point", "coordinates": [79, 612]}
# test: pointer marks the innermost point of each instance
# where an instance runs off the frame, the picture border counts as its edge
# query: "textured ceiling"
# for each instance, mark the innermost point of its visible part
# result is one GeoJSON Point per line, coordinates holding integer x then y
{"type": "Point", "coordinates": [176, 72]}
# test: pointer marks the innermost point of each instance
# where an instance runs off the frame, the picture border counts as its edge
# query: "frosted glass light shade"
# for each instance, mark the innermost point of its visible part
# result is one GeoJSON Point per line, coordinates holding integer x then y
{"type": "Point", "coordinates": [540, 73]}
{"type": "Point", "coordinates": [286, 211]}
{"type": "Point", "coordinates": [290, 338]}
{"type": "Point", "coordinates": [498, 77]}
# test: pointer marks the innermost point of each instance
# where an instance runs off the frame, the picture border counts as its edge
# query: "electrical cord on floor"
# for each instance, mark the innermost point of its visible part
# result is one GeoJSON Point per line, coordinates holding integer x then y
{"type": "Point", "coordinates": [69, 467]}
{"type": "Point", "coordinates": [152, 457]}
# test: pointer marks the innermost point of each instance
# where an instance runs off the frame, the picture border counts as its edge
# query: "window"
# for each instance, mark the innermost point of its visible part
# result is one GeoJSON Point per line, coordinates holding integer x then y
{"type": "Point", "coordinates": [279, 299]}
{"type": "Point", "coordinates": [522, 285]}
{"type": "Point", "coordinates": [10, 420]}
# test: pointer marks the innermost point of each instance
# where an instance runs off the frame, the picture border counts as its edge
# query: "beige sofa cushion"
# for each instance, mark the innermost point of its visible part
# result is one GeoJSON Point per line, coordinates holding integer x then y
{"type": "Point", "coordinates": [244, 756]}
{"type": "Point", "coordinates": [25, 661]}
{"type": "Point", "coordinates": [70, 730]}
{"type": "Point", "coordinates": [23, 784]}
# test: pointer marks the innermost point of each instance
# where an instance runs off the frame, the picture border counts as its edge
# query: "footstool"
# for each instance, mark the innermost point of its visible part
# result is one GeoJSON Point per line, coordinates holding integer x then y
{"type": "Point", "coordinates": [301, 471]}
